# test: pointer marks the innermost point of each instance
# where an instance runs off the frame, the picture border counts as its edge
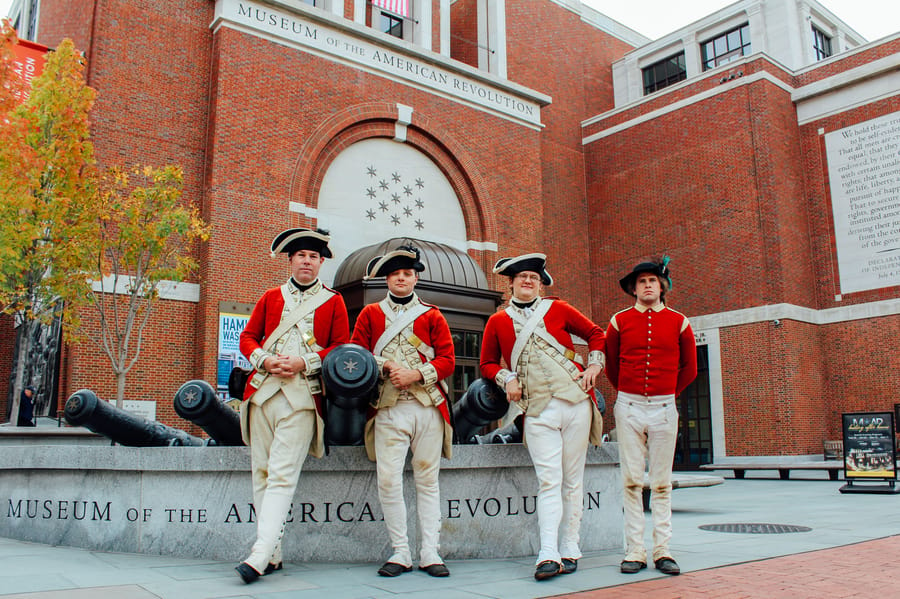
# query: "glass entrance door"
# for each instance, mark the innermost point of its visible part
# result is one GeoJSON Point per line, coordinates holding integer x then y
{"type": "Point", "coordinates": [694, 445]}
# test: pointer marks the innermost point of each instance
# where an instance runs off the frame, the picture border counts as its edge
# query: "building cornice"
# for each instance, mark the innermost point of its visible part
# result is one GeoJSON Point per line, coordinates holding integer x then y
{"type": "Point", "coordinates": [778, 312]}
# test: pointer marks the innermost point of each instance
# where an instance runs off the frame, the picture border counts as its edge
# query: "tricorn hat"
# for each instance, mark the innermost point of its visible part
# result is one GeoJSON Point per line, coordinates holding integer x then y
{"type": "Point", "coordinates": [405, 256]}
{"type": "Point", "coordinates": [659, 268]}
{"type": "Point", "coordinates": [293, 240]}
{"type": "Point", "coordinates": [510, 267]}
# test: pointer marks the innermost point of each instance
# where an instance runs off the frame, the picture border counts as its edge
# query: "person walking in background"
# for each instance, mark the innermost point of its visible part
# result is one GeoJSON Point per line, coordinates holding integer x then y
{"type": "Point", "coordinates": [26, 407]}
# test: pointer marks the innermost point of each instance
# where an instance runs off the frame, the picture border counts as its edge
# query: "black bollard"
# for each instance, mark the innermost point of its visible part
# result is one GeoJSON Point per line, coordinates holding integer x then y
{"type": "Point", "coordinates": [197, 402]}
{"type": "Point", "coordinates": [84, 408]}
{"type": "Point", "coordinates": [351, 380]}
{"type": "Point", "coordinates": [483, 402]}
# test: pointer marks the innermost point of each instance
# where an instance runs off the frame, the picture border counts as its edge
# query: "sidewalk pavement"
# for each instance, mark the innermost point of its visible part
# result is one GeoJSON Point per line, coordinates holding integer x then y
{"type": "Point", "coordinates": [850, 550]}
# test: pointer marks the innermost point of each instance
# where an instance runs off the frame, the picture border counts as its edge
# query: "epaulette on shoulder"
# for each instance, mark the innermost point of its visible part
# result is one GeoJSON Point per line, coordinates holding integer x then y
{"type": "Point", "coordinates": [622, 311]}
{"type": "Point", "coordinates": [676, 312]}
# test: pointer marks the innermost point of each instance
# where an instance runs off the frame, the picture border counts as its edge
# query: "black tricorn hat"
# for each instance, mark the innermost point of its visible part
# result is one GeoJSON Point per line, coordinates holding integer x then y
{"type": "Point", "coordinates": [293, 240]}
{"type": "Point", "coordinates": [405, 256]}
{"type": "Point", "coordinates": [510, 267]}
{"type": "Point", "coordinates": [660, 269]}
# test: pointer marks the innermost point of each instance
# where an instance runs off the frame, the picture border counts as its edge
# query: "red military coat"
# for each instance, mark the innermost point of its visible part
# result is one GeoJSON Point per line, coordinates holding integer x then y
{"type": "Point", "coordinates": [562, 321]}
{"type": "Point", "coordinates": [432, 328]}
{"type": "Point", "coordinates": [650, 351]}
{"type": "Point", "coordinates": [331, 325]}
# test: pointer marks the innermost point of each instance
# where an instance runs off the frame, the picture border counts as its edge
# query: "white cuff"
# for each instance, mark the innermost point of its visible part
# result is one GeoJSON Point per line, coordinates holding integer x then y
{"type": "Point", "coordinates": [504, 376]}
{"type": "Point", "coordinates": [257, 357]}
{"type": "Point", "coordinates": [429, 374]}
{"type": "Point", "coordinates": [313, 364]}
{"type": "Point", "coordinates": [597, 357]}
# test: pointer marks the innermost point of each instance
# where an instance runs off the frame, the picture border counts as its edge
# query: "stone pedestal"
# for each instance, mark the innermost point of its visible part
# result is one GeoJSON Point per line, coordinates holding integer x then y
{"type": "Point", "coordinates": [197, 502]}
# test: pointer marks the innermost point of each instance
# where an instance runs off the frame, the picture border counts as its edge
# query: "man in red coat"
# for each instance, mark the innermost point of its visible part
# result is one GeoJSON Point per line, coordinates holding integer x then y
{"type": "Point", "coordinates": [413, 348]}
{"type": "Point", "coordinates": [544, 376]}
{"type": "Point", "coordinates": [651, 359]}
{"type": "Point", "coordinates": [292, 328]}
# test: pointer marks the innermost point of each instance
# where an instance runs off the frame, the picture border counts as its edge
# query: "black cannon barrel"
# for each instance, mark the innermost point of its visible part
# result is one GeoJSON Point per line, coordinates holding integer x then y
{"type": "Point", "coordinates": [351, 376]}
{"type": "Point", "coordinates": [351, 381]}
{"type": "Point", "coordinates": [482, 403]}
{"type": "Point", "coordinates": [84, 408]}
{"type": "Point", "coordinates": [197, 402]}
{"type": "Point", "coordinates": [344, 427]}
{"type": "Point", "coordinates": [511, 433]}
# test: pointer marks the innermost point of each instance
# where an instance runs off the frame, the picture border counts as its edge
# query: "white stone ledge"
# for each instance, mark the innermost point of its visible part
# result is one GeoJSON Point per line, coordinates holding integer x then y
{"type": "Point", "coordinates": [773, 312]}
{"type": "Point", "coordinates": [237, 459]}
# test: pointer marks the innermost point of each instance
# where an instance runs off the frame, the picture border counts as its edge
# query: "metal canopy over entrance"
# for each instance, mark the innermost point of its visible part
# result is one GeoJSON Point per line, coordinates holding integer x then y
{"type": "Point", "coordinates": [452, 280]}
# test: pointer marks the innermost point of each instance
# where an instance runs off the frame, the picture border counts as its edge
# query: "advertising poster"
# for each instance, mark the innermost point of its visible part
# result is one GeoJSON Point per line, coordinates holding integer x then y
{"type": "Point", "coordinates": [230, 327]}
{"type": "Point", "coordinates": [869, 451]}
{"type": "Point", "coordinates": [28, 63]}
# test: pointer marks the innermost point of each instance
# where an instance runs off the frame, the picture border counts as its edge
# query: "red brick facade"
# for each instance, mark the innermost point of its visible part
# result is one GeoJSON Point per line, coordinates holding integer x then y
{"type": "Point", "coordinates": [716, 172]}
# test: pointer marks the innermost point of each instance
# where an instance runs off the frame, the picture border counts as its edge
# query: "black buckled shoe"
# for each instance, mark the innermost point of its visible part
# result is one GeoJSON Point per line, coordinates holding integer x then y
{"type": "Point", "coordinates": [569, 565]}
{"type": "Point", "coordinates": [392, 569]}
{"type": "Point", "coordinates": [631, 567]}
{"type": "Point", "coordinates": [667, 565]}
{"type": "Point", "coordinates": [248, 574]}
{"type": "Point", "coordinates": [273, 568]}
{"type": "Point", "coordinates": [436, 570]}
{"type": "Point", "coordinates": [547, 569]}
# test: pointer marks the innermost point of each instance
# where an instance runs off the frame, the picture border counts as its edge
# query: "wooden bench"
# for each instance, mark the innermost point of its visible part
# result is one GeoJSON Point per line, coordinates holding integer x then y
{"type": "Point", "coordinates": [833, 450]}
{"type": "Point", "coordinates": [682, 481]}
{"type": "Point", "coordinates": [833, 467]}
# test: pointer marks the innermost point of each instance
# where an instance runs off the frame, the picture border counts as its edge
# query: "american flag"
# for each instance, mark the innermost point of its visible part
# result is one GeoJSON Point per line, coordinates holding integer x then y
{"type": "Point", "coordinates": [399, 7]}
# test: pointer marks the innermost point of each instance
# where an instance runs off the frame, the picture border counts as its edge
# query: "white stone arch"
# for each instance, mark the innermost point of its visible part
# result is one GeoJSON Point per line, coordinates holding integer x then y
{"type": "Point", "coordinates": [377, 189]}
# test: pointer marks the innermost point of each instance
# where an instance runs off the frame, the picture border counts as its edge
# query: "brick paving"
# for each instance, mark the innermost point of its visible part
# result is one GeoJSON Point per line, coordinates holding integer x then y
{"type": "Point", "coordinates": [857, 570]}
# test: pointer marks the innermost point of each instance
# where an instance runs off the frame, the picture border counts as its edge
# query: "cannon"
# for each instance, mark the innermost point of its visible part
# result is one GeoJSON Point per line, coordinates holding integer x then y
{"type": "Point", "coordinates": [511, 433]}
{"type": "Point", "coordinates": [482, 403]}
{"type": "Point", "coordinates": [351, 380]}
{"type": "Point", "coordinates": [196, 401]}
{"type": "Point", "coordinates": [84, 408]}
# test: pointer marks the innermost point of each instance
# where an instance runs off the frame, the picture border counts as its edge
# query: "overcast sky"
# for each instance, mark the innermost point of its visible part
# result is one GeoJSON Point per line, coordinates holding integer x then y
{"type": "Point", "coordinates": [873, 19]}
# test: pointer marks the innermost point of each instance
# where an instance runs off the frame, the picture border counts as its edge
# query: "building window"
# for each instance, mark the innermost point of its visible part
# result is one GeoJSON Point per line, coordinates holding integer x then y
{"type": "Point", "coordinates": [821, 43]}
{"type": "Point", "coordinates": [664, 73]}
{"type": "Point", "coordinates": [391, 25]}
{"type": "Point", "coordinates": [392, 17]}
{"type": "Point", "coordinates": [727, 47]}
{"type": "Point", "coordinates": [467, 345]}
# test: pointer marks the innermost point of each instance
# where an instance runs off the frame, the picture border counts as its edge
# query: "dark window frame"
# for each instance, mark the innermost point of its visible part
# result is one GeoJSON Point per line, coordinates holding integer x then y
{"type": "Point", "coordinates": [663, 73]}
{"type": "Point", "coordinates": [467, 355]}
{"type": "Point", "coordinates": [390, 24]}
{"type": "Point", "coordinates": [821, 44]}
{"type": "Point", "coordinates": [723, 48]}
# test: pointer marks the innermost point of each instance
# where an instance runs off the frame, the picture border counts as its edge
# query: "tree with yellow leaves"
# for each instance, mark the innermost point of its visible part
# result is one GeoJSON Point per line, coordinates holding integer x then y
{"type": "Point", "coordinates": [144, 240]}
{"type": "Point", "coordinates": [75, 237]}
{"type": "Point", "coordinates": [47, 171]}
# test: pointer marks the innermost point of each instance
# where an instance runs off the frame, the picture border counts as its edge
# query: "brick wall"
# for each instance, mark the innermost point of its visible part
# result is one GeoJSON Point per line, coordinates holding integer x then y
{"type": "Point", "coordinates": [730, 187]}
{"type": "Point", "coordinates": [551, 50]}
